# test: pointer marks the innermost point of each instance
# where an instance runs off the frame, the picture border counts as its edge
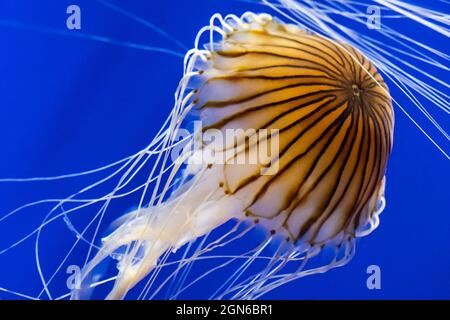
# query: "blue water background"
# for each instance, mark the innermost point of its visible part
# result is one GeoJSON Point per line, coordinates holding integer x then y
{"type": "Point", "coordinates": [69, 104]}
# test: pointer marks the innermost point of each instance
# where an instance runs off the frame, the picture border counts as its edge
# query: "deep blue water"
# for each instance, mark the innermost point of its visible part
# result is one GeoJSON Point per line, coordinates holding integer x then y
{"type": "Point", "coordinates": [69, 104]}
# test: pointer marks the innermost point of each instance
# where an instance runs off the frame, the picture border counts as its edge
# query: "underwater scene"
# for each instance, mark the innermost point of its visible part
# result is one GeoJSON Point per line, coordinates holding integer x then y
{"type": "Point", "coordinates": [224, 149]}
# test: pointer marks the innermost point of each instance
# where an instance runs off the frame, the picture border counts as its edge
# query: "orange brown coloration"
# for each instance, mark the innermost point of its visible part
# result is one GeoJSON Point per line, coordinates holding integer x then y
{"type": "Point", "coordinates": [335, 121]}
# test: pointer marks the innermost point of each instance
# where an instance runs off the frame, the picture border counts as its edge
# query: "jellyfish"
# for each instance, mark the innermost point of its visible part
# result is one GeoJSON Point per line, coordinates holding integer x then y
{"type": "Point", "coordinates": [320, 185]}
{"type": "Point", "coordinates": [287, 166]}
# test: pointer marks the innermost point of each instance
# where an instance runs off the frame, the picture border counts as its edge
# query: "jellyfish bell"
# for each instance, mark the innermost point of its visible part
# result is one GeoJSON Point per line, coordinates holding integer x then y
{"type": "Point", "coordinates": [321, 184]}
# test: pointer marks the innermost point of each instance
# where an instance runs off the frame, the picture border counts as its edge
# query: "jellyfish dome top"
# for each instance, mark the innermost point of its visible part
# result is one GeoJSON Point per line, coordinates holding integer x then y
{"type": "Point", "coordinates": [312, 125]}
